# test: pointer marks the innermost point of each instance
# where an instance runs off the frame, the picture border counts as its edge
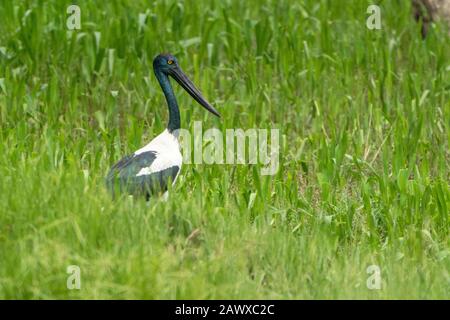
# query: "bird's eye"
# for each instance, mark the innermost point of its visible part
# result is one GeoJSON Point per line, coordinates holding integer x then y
{"type": "Point", "coordinates": [169, 61]}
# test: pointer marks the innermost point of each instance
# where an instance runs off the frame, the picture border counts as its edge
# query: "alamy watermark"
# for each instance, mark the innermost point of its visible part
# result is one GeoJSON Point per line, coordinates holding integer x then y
{"type": "Point", "coordinates": [236, 146]}
{"type": "Point", "coordinates": [374, 280]}
{"type": "Point", "coordinates": [74, 278]}
{"type": "Point", "coordinates": [73, 22]}
{"type": "Point", "coordinates": [374, 20]}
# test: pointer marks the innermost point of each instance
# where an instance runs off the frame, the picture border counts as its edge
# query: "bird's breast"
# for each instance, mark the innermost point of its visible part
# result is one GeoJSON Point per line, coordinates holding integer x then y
{"type": "Point", "coordinates": [167, 153]}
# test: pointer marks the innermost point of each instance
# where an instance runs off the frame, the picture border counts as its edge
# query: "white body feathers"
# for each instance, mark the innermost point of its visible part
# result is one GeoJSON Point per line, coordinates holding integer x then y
{"type": "Point", "coordinates": [167, 148]}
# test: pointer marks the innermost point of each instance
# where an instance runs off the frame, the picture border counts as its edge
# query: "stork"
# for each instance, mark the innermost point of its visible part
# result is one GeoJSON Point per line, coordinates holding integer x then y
{"type": "Point", "coordinates": [150, 170]}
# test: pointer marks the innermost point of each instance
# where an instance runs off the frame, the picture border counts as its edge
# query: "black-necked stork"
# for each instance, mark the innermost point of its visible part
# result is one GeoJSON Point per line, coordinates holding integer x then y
{"type": "Point", "coordinates": [149, 170]}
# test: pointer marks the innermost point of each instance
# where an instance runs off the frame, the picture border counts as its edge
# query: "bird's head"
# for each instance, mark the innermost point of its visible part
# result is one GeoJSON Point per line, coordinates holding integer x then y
{"type": "Point", "coordinates": [165, 62]}
{"type": "Point", "coordinates": [168, 65]}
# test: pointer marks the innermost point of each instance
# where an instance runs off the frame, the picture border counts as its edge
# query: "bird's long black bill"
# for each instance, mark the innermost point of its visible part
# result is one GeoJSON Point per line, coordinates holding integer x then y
{"type": "Point", "coordinates": [187, 84]}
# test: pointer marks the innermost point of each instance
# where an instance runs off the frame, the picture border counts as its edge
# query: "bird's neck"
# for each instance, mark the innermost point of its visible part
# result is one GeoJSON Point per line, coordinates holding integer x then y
{"type": "Point", "coordinates": [174, 112]}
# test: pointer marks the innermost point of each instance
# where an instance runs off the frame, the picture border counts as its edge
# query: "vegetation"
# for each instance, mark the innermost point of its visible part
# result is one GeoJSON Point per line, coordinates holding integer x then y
{"type": "Point", "coordinates": [364, 158]}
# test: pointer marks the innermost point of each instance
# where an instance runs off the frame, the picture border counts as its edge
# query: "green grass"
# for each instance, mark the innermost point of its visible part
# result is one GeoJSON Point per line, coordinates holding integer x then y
{"type": "Point", "coordinates": [364, 162]}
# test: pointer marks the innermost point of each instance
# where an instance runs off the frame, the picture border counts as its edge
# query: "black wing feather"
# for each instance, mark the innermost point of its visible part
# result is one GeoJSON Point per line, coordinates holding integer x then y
{"type": "Point", "coordinates": [123, 175]}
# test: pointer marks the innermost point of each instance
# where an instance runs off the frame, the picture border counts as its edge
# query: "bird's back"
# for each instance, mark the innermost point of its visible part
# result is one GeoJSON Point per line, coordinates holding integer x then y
{"type": "Point", "coordinates": [150, 169]}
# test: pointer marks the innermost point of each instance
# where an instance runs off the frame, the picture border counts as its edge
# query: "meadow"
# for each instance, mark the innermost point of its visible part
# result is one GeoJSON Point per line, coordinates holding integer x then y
{"type": "Point", "coordinates": [363, 178]}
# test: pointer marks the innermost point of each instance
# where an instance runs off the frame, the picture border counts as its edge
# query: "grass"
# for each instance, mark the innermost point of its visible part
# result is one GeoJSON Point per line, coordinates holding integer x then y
{"type": "Point", "coordinates": [364, 159]}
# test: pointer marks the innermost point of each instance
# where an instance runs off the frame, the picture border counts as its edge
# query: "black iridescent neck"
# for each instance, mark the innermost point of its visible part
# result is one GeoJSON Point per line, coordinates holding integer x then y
{"type": "Point", "coordinates": [174, 111]}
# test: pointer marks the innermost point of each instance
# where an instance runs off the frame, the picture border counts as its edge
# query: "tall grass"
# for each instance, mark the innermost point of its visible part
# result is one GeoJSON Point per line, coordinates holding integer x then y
{"type": "Point", "coordinates": [364, 159]}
